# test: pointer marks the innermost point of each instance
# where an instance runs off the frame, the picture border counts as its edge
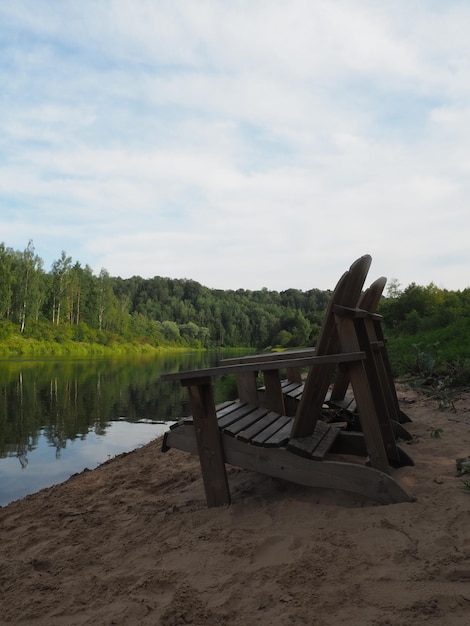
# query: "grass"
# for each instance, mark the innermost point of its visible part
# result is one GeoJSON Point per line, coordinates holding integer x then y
{"type": "Point", "coordinates": [15, 346]}
{"type": "Point", "coordinates": [442, 354]}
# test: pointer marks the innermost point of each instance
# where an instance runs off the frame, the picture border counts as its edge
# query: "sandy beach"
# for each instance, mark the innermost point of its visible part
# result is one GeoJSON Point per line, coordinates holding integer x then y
{"type": "Point", "coordinates": [132, 542]}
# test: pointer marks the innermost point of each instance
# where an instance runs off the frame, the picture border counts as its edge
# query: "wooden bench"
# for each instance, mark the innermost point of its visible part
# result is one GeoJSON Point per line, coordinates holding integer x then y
{"type": "Point", "coordinates": [299, 448]}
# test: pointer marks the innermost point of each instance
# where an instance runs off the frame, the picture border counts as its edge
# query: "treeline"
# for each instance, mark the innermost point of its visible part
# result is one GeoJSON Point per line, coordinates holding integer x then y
{"type": "Point", "coordinates": [429, 335]}
{"type": "Point", "coordinates": [416, 308]}
{"type": "Point", "coordinates": [71, 303]}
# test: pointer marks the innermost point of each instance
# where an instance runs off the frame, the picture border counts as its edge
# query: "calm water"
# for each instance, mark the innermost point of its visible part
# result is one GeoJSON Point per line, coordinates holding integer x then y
{"type": "Point", "coordinates": [58, 417]}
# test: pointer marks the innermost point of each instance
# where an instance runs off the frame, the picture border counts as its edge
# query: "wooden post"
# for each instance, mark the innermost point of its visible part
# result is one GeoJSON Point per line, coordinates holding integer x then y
{"type": "Point", "coordinates": [387, 368]}
{"type": "Point", "coordinates": [209, 443]}
{"type": "Point", "coordinates": [379, 392]}
{"type": "Point", "coordinates": [341, 385]}
{"type": "Point", "coordinates": [247, 387]}
{"type": "Point", "coordinates": [274, 395]}
{"type": "Point", "coordinates": [294, 374]}
{"type": "Point", "coordinates": [365, 404]}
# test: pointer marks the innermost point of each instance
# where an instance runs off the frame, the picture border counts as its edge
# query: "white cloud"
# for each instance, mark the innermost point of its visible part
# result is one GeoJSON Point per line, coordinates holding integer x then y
{"type": "Point", "coordinates": [239, 144]}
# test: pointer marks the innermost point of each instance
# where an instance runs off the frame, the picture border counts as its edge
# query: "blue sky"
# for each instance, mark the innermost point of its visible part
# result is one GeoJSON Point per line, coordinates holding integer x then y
{"type": "Point", "coordinates": [241, 144]}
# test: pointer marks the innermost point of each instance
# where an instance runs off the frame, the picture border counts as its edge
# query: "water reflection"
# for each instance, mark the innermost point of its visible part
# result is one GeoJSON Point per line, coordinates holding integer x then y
{"type": "Point", "coordinates": [46, 468]}
{"type": "Point", "coordinates": [59, 416]}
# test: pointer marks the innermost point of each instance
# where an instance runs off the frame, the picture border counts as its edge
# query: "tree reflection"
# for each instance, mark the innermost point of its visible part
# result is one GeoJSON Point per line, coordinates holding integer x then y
{"type": "Point", "coordinates": [65, 400]}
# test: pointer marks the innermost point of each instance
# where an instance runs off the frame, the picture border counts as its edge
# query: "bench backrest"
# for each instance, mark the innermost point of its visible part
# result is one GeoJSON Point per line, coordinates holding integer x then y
{"type": "Point", "coordinates": [369, 301]}
{"type": "Point", "coordinates": [346, 294]}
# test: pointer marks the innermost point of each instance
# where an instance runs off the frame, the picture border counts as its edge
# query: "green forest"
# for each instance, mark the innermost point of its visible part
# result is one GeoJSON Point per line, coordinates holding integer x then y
{"type": "Point", "coordinates": [70, 310]}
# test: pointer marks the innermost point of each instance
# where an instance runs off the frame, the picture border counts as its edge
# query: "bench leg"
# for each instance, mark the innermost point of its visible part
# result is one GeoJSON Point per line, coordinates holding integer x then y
{"type": "Point", "coordinates": [365, 405]}
{"type": "Point", "coordinates": [209, 443]}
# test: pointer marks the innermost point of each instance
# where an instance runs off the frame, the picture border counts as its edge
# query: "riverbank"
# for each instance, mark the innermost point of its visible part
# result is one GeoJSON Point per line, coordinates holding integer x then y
{"type": "Point", "coordinates": [26, 347]}
{"type": "Point", "coordinates": [132, 542]}
{"type": "Point", "coordinates": [14, 346]}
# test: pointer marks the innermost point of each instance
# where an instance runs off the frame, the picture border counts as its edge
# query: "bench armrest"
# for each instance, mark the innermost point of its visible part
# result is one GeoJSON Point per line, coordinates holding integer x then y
{"type": "Point", "coordinates": [270, 356]}
{"type": "Point", "coordinates": [262, 366]}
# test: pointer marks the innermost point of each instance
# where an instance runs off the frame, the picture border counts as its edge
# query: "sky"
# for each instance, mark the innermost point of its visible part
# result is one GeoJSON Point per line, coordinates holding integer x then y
{"type": "Point", "coordinates": [240, 144]}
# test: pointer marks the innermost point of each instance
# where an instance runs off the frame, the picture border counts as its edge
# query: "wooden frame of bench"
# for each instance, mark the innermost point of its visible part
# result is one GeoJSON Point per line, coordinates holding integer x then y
{"type": "Point", "coordinates": [207, 434]}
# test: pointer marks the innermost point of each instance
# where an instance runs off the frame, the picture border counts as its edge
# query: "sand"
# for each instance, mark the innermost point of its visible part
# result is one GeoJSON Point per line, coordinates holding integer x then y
{"type": "Point", "coordinates": [132, 542]}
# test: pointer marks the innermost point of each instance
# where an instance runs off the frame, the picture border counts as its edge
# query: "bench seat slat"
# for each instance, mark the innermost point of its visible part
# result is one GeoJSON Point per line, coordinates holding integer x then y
{"type": "Point", "coordinates": [304, 446]}
{"type": "Point", "coordinates": [256, 428]}
{"type": "Point", "coordinates": [290, 387]}
{"type": "Point", "coordinates": [296, 393]}
{"type": "Point", "coordinates": [243, 409]}
{"type": "Point", "coordinates": [272, 429]}
{"type": "Point", "coordinates": [326, 443]}
{"type": "Point", "coordinates": [225, 408]}
{"type": "Point", "coordinates": [245, 422]}
{"type": "Point", "coordinates": [281, 437]}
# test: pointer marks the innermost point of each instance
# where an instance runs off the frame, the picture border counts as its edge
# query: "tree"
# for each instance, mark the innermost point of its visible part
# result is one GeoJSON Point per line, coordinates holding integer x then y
{"type": "Point", "coordinates": [394, 288]}
{"type": "Point", "coordinates": [86, 296]}
{"type": "Point", "coordinates": [29, 295]}
{"type": "Point", "coordinates": [6, 281]}
{"type": "Point", "coordinates": [171, 331]}
{"type": "Point", "coordinates": [106, 299]}
{"type": "Point", "coordinates": [61, 281]}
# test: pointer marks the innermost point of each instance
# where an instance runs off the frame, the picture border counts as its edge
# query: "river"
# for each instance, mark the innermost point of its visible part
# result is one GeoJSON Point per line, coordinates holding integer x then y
{"type": "Point", "coordinates": [60, 416]}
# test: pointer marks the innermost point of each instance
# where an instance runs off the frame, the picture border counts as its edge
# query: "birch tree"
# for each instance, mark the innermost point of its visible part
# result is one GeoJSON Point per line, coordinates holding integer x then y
{"type": "Point", "coordinates": [6, 281]}
{"type": "Point", "coordinates": [61, 278]}
{"type": "Point", "coordinates": [28, 293]}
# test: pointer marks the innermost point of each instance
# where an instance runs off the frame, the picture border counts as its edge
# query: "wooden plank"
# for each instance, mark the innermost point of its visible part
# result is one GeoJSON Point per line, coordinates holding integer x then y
{"type": "Point", "coordinates": [348, 404]}
{"type": "Point", "coordinates": [325, 444]}
{"type": "Point", "coordinates": [209, 445]}
{"type": "Point", "coordinates": [350, 477]}
{"type": "Point", "coordinates": [274, 395]}
{"type": "Point", "coordinates": [245, 422]}
{"type": "Point", "coordinates": [233, 416]}
{"type": "Point", "coordinates": [221, 409]}
{"type": "Point", "coordinates": [366, 409]}
{"type": "Point", "coordinates": [400, 431]}
{"type": "Point", "coordinates": [226, 407]}
{"type": "Point", "coordinates": [351, 443]}
{"type": "Point", "coordinates": [289, 387]}
{"type": "Point", "coordinates": [398, 413]}
{"type": "Point", "coordinates": [368, 301]}
{"type": "Point", "coordinates": [296, 393]}
{"type": "Point", "coordinates": [304, 446]}
{"type": "Point", "coordinates": [271, 430]}
{"type": "Point", "coordinates": [269, 356]}
{"type": "Point", "coordinates": [380, 389]}
{"type": "Point", "coordinates": [247, 387]}
{"type": "Point", "coordinates": [187, 377]}
{"type": "Point", "coordinates": [257, 427]}
{"type": "Point", "coordinates": [280, 437]}
{"type": "Point", "coordinates": [294, 374]}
